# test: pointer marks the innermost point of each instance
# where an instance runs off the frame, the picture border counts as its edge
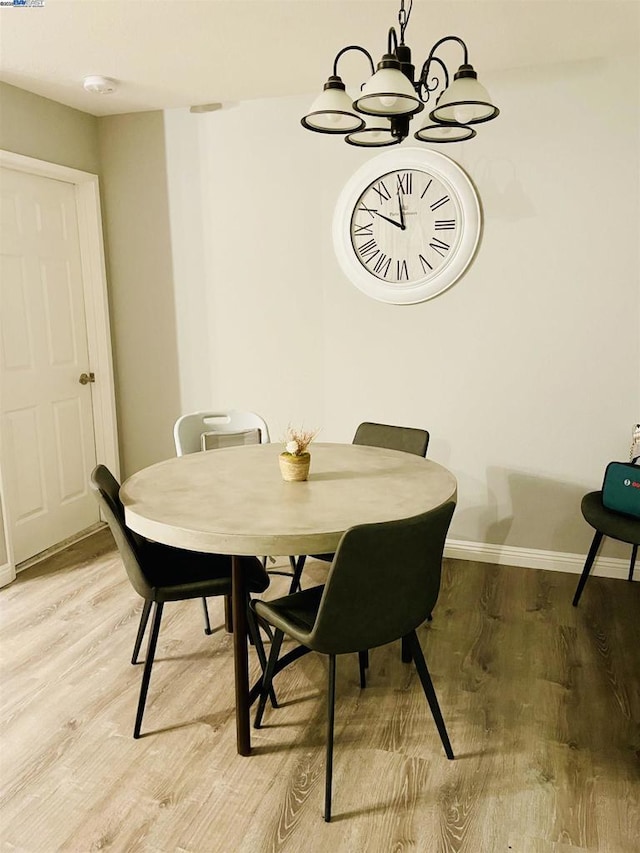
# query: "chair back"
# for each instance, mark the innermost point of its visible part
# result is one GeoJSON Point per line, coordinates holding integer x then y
{"type": "Point", "coordinates": [407, 439]}
{"type": "Point", "coordinates": [107, 491]}
{"type": "Point", "coordinates": [235, 425]}
{"type": "Point", "coordinates": [384, 582]}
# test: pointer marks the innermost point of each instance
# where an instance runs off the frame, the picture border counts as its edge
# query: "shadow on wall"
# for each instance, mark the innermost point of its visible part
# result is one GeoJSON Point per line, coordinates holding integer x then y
{"type": "Point", "coordinates": [527, 511]}
{"type": "Point", "coordinates": [501, 190]}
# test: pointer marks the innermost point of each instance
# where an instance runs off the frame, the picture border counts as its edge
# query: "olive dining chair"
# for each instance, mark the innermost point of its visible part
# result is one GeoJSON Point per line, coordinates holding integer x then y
{"type": "Point", "coordinates": [390, 437]}
{"type": "Point", "coordinates": [408, 439]}
{"type": "Point", "coordinates": [369, 434]}
{"type": "Point", "coordinates": [383, 582]}
{"type": "Point", "coordinates": [160, 573]}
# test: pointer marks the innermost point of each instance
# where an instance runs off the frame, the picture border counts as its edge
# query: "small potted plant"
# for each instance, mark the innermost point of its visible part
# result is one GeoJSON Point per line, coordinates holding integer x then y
{"type": "Point", "coordinates": [295, 458]}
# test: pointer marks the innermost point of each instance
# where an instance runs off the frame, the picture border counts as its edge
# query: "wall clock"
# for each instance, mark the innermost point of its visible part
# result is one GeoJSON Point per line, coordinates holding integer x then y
{"type": "Point", "coordinates": [406, 225]}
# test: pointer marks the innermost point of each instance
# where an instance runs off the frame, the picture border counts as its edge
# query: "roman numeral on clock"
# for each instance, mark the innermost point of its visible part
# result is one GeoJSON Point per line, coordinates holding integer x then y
{"type": "Point", "coordinates": [370, 210]}
{"type": "Point", "coordinates": [368, 250]}
{"type": "Point", "coordinates": [382, 191]}
{"type": "Point", "coordinates": [405, 183]}
{"type": "Point", "coordinates": [382, 265]}
{"type": "Point", "coordinates": [424, 191]}
{"type": "Point", "coordinates": [439, 247]}
{"type": "Point", "coordinates": [362, 230]}
{"type": "Point", "coordinates": [445, 224]}
{"type": "Point", "coordinates": [402, 273]}
{"type": "Point", "coordinates": [439, 202]}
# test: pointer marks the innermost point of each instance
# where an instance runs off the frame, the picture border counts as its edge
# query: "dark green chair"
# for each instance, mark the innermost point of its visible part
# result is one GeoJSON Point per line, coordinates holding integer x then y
{"type": "Point", "coordinates": [406, 439]}
{"type": "Point", "coordinates": [389, 437]}
{"type": "Point", "coordinates": [383, 583]}
{"type": "Point", "coordinates": [606, 522]}
{"type": "Point", "coordinates": [160, 573]}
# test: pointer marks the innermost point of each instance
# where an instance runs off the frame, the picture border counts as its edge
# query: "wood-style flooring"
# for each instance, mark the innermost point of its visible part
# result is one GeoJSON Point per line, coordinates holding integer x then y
{"type": "Point", "coordinates": [541, 701]}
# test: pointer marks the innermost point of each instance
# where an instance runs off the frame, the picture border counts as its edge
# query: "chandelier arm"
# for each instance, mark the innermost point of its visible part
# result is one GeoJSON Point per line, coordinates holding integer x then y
{"type": "Point", "coordinates": [424, 75]}
{"type": "Point", "coordinates": [423, 81]}
{"type": "Point", "coordinates": [392, 41]}
{"type": "Point", "coordinates": [352, 47]}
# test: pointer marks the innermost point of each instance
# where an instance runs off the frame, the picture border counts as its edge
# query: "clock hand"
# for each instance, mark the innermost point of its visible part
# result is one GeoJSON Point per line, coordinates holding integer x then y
{"type": "Point", "coordinates": [387, 219]}
{"type": "Point", "coordinates": [402, 225]}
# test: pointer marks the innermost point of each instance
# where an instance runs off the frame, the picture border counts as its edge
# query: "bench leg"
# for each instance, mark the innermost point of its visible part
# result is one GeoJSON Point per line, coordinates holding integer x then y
{"type": "Point", "coordinates": [634, 552]}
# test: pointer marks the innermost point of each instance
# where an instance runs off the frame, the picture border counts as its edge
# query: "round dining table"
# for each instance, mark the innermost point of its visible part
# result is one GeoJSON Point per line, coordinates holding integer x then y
{"type": "Point", "coordinates": [234, 501]}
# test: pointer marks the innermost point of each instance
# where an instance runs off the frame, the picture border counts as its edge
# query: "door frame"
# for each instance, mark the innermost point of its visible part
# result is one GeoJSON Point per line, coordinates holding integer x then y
{"type": "Point", "coordinates": [96, 304]}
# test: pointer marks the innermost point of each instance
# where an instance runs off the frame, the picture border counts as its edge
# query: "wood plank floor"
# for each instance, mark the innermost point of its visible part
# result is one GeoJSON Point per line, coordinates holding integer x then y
{"type": "Point", "coordinates": [541, 700]}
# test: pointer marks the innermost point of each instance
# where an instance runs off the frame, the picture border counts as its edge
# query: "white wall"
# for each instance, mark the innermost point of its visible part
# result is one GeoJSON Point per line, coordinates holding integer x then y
{"type": "Point", "coordinates": [40, 128]}
{"type": "Point", "coordinates": [138, 246]}
{"type": "Point", "coordinates": [526, 371]}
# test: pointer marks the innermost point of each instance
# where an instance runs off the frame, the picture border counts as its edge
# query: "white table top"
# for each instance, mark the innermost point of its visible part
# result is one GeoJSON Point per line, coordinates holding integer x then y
{"type": "Point", "coordinates": [234, 501]}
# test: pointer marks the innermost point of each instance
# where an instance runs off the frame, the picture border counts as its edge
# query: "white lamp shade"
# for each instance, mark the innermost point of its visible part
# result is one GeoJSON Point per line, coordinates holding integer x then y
{"type": "Point", "coordinates": [388, 92]}
{"type": "Point", "coordinates": [375, 134]}
{"type": "Point", "coordinates": [465, 102]}
{"type": "Point", "coordinates": [332, 112]}
{"type": "Point", "coordinates": [430, 132]}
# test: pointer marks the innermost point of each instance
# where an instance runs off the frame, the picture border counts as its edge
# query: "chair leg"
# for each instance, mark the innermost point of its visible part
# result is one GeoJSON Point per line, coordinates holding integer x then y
{"type": "Point", "coordinates": [363, 663]}
{"type": "Point", "coordinates": [262, 623]}
{"type": "Point", "coordinates": [331, 707]}
{"type": "Point", "coordinates": [256, 639]}
{"type": "Point", "coordinates": [267, 677]}
{"type": "Point", "coordinates": [144, 618]}
{"type": "Point", "coordinates": [297, 566]}
{"type": "Point", "coordinates": [634, 552]}
{"type": "Point", "coordinates": [429, 691]}
{"type": "Point", "coordinates": [597, 539]}
{"type": "Point", "coordinates": [207, 624]}
{"type": "Point", "coordinates": [406, 651]}
{"type": "Point", "coordinates": [148, 663]}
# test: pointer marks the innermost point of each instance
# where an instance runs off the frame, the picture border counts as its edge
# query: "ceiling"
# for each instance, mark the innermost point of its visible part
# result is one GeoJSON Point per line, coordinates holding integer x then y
{"type": "Point", "coordinates": [178, 53]}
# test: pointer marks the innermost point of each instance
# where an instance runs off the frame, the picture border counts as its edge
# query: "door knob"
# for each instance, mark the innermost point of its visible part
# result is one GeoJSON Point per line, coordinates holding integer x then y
{"type": "Point", "coordinates": [85, 378]}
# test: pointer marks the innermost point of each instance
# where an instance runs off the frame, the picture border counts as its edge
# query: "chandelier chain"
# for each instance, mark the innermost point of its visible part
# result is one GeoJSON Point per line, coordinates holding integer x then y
{"type": "Point", "coordinates": [403, 18]}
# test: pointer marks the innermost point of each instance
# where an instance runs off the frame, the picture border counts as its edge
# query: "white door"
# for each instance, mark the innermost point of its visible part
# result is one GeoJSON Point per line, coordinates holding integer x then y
{"type": "Point", "coordinates": [46, 418]}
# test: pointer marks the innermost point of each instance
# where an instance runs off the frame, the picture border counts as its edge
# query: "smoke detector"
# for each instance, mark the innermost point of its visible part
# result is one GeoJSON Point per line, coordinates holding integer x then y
{"type": "Point", "coordinates": [99, 85]}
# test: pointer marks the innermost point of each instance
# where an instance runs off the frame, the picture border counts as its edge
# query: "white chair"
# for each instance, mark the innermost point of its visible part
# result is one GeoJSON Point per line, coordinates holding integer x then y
{"type": "Point", "coordinates": [212, 431]}
{"type": "Point", "coordinates": [208, 430]}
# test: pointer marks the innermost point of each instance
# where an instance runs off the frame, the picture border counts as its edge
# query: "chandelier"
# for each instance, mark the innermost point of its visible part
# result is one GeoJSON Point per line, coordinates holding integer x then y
{"type": "Point", "coordinates": [388, 101]}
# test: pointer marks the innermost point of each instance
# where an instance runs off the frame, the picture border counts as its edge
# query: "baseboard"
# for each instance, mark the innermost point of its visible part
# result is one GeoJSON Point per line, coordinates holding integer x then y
{"type": "Point", "coordinates": [459, 549]}
{"type": "Point", "coordinates": [531, 558]}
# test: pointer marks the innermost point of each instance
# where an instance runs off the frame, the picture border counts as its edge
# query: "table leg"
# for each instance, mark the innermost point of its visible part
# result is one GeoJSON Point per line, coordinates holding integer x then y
{"type": "Point", "coordinates": [241, 657]}
{"type": "Point", "coordinates": [228, 615]}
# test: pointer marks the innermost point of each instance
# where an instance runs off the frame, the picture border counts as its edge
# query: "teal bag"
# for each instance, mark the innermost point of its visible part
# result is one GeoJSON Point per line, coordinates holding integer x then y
{"type": "Point", "coordinates": [621, 488]}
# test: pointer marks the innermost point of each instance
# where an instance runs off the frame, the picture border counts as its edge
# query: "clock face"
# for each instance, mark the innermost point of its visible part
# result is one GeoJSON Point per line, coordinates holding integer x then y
{"type": "Point", "coordinates": [406, 225]}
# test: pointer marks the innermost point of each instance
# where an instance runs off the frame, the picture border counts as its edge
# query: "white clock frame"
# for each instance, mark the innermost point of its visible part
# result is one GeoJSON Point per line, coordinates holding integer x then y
{"type": "Point", "coordinates": [462, 192]}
